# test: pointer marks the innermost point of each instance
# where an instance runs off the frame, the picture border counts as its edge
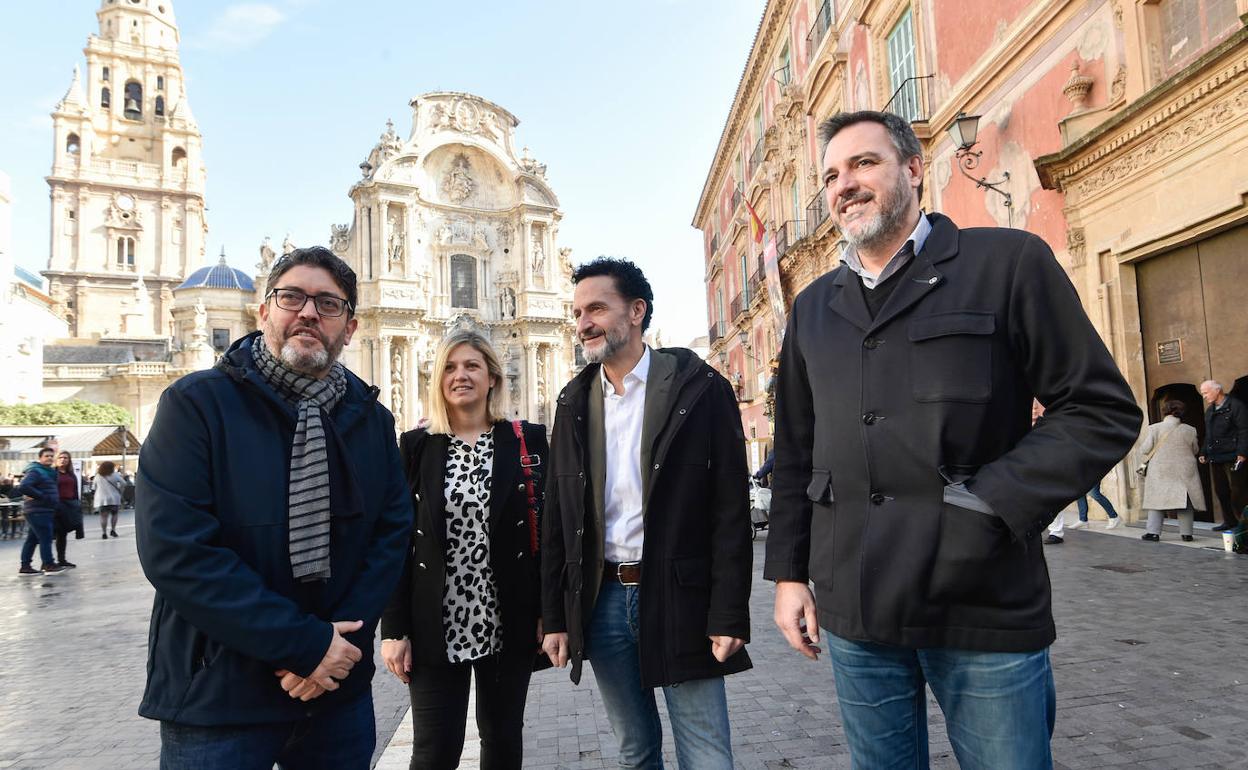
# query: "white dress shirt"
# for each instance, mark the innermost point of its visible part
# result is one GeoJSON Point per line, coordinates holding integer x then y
{"type": "Point", "coordinates": [622, 416]}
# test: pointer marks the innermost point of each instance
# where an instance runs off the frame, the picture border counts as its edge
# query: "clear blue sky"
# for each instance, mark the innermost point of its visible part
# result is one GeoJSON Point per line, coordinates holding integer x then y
{"type": "Point", "coordinates": [624, 102]}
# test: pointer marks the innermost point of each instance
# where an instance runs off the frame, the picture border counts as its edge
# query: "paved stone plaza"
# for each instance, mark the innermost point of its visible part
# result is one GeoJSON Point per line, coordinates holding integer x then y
{"type": "Point", "coordinates": [1149, 666]}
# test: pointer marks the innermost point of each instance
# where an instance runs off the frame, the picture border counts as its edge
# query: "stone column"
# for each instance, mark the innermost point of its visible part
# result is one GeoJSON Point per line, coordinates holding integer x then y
{"type": "Point", "coordinates": [414, 407]}
{"type": "Point", "coordinates": [529, 395]}
{"type": "Point", "coordinates": [383, 381]}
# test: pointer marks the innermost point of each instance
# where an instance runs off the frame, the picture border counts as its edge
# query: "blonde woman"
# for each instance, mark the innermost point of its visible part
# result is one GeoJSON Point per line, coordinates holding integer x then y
{"type": "Point", "coordinates": [468, 602]}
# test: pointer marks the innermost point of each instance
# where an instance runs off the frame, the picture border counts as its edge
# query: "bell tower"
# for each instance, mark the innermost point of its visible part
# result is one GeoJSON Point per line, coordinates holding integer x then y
{"type": "Point", "coordinates": [127, 181]}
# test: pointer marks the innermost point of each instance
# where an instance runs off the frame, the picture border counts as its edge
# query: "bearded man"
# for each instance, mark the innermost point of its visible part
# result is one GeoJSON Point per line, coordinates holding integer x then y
{"type": "Point", "coordinates": [646, 557]}
{"type": "Point", "coordinates": [910, 487]}
{"type": "Point", "coordinates": [272, 519]}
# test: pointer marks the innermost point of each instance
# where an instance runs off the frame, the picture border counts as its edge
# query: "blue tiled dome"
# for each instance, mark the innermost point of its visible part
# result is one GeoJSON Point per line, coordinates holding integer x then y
{"type": "Point", "coordinates": [219, 276]}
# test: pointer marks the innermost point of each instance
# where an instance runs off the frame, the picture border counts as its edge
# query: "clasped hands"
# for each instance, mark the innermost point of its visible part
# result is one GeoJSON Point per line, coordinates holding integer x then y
{"type": "Point", "coordinates": [339, 659]}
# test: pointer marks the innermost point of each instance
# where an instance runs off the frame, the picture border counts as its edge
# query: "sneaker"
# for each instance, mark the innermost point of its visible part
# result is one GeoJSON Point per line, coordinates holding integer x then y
{"type": "Point", "coordinates": [114, 533]}
{"type": "Point", "coordinates": [1053, 540]}
{"type": "Point", "coordinates": [52, 569]}
{"type": "Point", "coordinates": [66, 564]}
{"type": "Point", "coordinates": [27, 571]}
{"type": "Point", "coordinates": [1114, 522]}
{"type": "Point", "coordinates": [1077, 524]}
{"type": "Point", "coordinates": [104, 536]}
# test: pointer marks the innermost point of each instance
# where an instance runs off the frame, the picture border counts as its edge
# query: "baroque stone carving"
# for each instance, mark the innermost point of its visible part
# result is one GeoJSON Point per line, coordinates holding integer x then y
{"type": "Point", "coordinates": [1077, 88]}
{"type": "Point", "coordinates": [395, 244]}
{"type": "Point", "coordinates": [339, 238]}
{"type": "Point", "coordinates": [266, 256]}
{"type": "Point", "coordinates": [1118, 89]}
{"type": "Point", "coordinates": [1076, 246]}
{"type": "Point", "coordinates": [1169, 142]}
{"type": "Point", "coordinates": [457, 182]}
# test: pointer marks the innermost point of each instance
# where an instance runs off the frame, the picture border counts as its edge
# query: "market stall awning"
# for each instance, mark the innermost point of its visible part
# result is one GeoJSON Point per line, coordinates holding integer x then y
{"type": "Point", "coordinates": [22, 442]}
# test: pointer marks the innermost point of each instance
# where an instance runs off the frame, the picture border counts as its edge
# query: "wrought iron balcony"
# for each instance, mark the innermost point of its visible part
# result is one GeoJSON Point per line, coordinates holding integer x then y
{"type": "Point", "coordinates": [715, 333]}
{"type": "Point", "coordinates": [912, 100]}
{"type": "Point", "coordinates": [739, 305]}
{"type": "Point", "coordinates": [736, 198]}
{"type": "Point", "coordinates": [817, 211]}
{"type": "Point", "coordinates": [714, 244]}
{"type": "Point", "coordinates": [756, 158]}
{"type": "Point", "coordinates": [819, 26]}
{"type": "Point", "coordinates": [784, 74]}
{"type": "Point", "coordinates": [789, 233]}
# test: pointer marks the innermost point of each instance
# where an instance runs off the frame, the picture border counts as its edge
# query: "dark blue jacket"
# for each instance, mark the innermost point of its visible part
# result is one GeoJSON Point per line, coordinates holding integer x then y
{"type": "Point", "coordinates": [211, 522]}
{"type": "Point", "coordinates": [39, 484]}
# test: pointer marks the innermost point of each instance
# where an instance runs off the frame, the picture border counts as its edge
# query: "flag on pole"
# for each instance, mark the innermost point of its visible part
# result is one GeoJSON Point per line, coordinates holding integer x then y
{"type": "Point", "coordinates": [756, 224]}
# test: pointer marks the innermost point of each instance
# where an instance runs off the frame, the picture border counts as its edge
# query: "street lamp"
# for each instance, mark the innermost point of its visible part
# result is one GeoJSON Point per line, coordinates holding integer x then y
{"type": "Point", "coordinates": [963, 132]}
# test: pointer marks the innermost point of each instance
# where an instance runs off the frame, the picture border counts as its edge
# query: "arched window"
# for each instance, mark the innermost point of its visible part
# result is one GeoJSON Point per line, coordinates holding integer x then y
{"type": "Point", "coordinates": [160, 82]}
{"type": "Point", "coordinates": [106, 98]}
{"type": "Point", "coordinates": [179, 156]}
{"type": "Point", "coordinates": [125, 252]}
{"type": "Point", "coordinates": [463, 281]}
{"type": "Point", "coordinates": [72, 144]}
{"type": "Point", "coordinates": [160, 106]}
{"type": "Point", "coordinates": [132, 108]}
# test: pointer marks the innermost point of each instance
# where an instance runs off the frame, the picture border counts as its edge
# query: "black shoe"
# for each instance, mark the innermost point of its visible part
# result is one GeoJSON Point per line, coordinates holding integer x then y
{"type": "Point", "coordinates": [66, 564]}
{"type": "Point", "coordinates": [1223, 527]}
{"type": "Point", "coordinates": [104, 536]}
{"type": "Point", "coordinates": [114, 533]}
{"type": "Point", "coordinates": [27, 571]}
{"type": "Point", "coordinates": [52, 569]}
{"type": "Point", "coordinates": [1187, 538]}
{"type": "Point", "coordinates": [1149, 536]}
{"type": "Point", "coordinates": [1053, 540]}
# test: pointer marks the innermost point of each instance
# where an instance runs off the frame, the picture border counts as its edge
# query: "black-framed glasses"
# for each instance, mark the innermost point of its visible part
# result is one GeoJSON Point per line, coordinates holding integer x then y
{"type": "Point", "coordinates": [327, 305]}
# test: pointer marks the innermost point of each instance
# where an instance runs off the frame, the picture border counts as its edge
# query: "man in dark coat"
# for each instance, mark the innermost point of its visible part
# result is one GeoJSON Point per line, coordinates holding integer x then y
{"type": "Point", "coordinates": [38, 487]}
{"type": "Point", "coordinates": [1226, 445]}
{"type": "Point", "coordinates": [909, 487]}
{"type": "Point", "coordinates": [646, 556]}
{"type": "Point", "coordinates": [272, 520]}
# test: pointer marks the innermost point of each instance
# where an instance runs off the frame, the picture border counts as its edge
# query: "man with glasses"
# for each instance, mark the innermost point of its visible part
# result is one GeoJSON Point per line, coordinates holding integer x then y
{"type": "Point", "coordinates": [272, 519]}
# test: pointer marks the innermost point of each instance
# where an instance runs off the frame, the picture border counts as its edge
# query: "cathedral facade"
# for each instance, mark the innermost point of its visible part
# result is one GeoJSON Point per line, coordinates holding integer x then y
{"type": "Point", "coordinates": [453, 227]}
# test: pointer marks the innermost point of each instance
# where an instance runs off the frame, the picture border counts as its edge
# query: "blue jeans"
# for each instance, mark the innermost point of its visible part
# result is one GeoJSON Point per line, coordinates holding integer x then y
{"type": "Point", "coordinates": [38, 530]}
{"type": "Point", "coordinates": [999, 707]}
{"type": "Point", "coordinates": [1095, 494]}
{"type": "Point", "coordinates": [698, 709]}
{"type": "Point", "coordinates": [343, 737]}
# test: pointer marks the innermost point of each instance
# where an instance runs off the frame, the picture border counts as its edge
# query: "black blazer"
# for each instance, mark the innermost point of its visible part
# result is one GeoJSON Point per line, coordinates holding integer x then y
{"type": "Point", "coordinates": [415, 609]}
{"type": "Point", "coordinates": [909, 485]}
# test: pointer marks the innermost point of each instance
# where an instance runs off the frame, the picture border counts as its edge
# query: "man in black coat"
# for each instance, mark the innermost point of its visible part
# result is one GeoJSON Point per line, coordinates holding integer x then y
{"type": "Point", "coordinates": [646, 556]}
{"type": "Point", "coordinates": [1226, 445]}
{"type": "Point", "coordinates": [273, 521]}
{"type": "Point", "coordinates": [909, 487]}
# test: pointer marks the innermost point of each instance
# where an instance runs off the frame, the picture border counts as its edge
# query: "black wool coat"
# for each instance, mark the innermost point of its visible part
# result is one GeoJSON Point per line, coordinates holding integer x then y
{"type": "Point", "coordinates": [909, 485]}
{"type": "Point", "coordinates": [415, 609]}
{"type": "Point", "coordinates": [697, 556]}
{"type": "Point", "coordinates": [1226, 431]}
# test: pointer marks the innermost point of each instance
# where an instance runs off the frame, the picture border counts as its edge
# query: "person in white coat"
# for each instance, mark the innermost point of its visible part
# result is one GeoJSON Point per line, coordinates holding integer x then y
{"type": "Point", "coordinates": [1172, 483]}
{"type": "Point", "coordinates": [109, 486]}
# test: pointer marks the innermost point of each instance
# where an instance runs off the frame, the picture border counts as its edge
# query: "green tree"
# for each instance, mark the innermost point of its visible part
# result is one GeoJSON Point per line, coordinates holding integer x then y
{"type": "Point", "coordinates": [76, 412]}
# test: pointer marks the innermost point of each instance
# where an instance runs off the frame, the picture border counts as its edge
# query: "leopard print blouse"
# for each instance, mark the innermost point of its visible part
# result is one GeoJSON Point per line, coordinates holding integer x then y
{"type": "Point", "coordinates": [470, 614]}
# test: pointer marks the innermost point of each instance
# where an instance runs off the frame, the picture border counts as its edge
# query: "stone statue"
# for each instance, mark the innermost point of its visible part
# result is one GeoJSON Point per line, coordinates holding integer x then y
{"type": "Point", "coordinates": [507, 303]}
{"type": "Point", "coordinates": [201, 318]}
{"type": "Point", "coordinates": [339, 238]}
{"type": "Point", "coordinates": [287, 245]}
{"type": "Point", "coordinates": [266, 256]}
{"type": "Point", "coordinates": [457, 183]}
{"type": "Point", "coordinates": [539, 256]}
{"type": "Point", "coordinates": [395, 246]}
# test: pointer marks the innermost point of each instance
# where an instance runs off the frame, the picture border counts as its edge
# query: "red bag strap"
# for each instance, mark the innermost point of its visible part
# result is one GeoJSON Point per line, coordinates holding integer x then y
{"type": "Point", "coordinates": [527, 463]}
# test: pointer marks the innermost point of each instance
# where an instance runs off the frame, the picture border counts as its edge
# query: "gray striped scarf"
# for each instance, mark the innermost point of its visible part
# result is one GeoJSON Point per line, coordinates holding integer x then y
{"type": "Point", "coordinates": [308, 499]}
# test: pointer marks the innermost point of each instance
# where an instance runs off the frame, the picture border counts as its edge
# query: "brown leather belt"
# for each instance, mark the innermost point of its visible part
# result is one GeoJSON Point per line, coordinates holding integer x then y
{"type": "Point", "coordinates": [626, 574]}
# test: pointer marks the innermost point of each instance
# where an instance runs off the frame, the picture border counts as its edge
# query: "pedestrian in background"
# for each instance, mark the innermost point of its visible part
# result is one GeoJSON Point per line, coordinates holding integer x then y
{"type": "Point", "coordinates": [1172, 483]}
{"type": "Point", "coordinates": [1225, 450]}
{"type": "Point", "coordinates": [69, 509]}
{"type": "Point", "coordinates": [273, 522]}
{"type": "Point", "coordinates": [38, 489]}
{"type": "Point", "coordinates": [1102, 500]}
{"type": "Point", "coordinates": [108, 488]}
{"type": "Point", "coordinates": [468, 605]}
{"type": "Point", "coordinates": [910, 486]}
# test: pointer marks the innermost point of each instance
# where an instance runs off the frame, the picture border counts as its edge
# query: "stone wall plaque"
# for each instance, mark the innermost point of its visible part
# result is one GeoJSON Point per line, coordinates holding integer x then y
{"type": "Point", "coordinates": [1170, 352]}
